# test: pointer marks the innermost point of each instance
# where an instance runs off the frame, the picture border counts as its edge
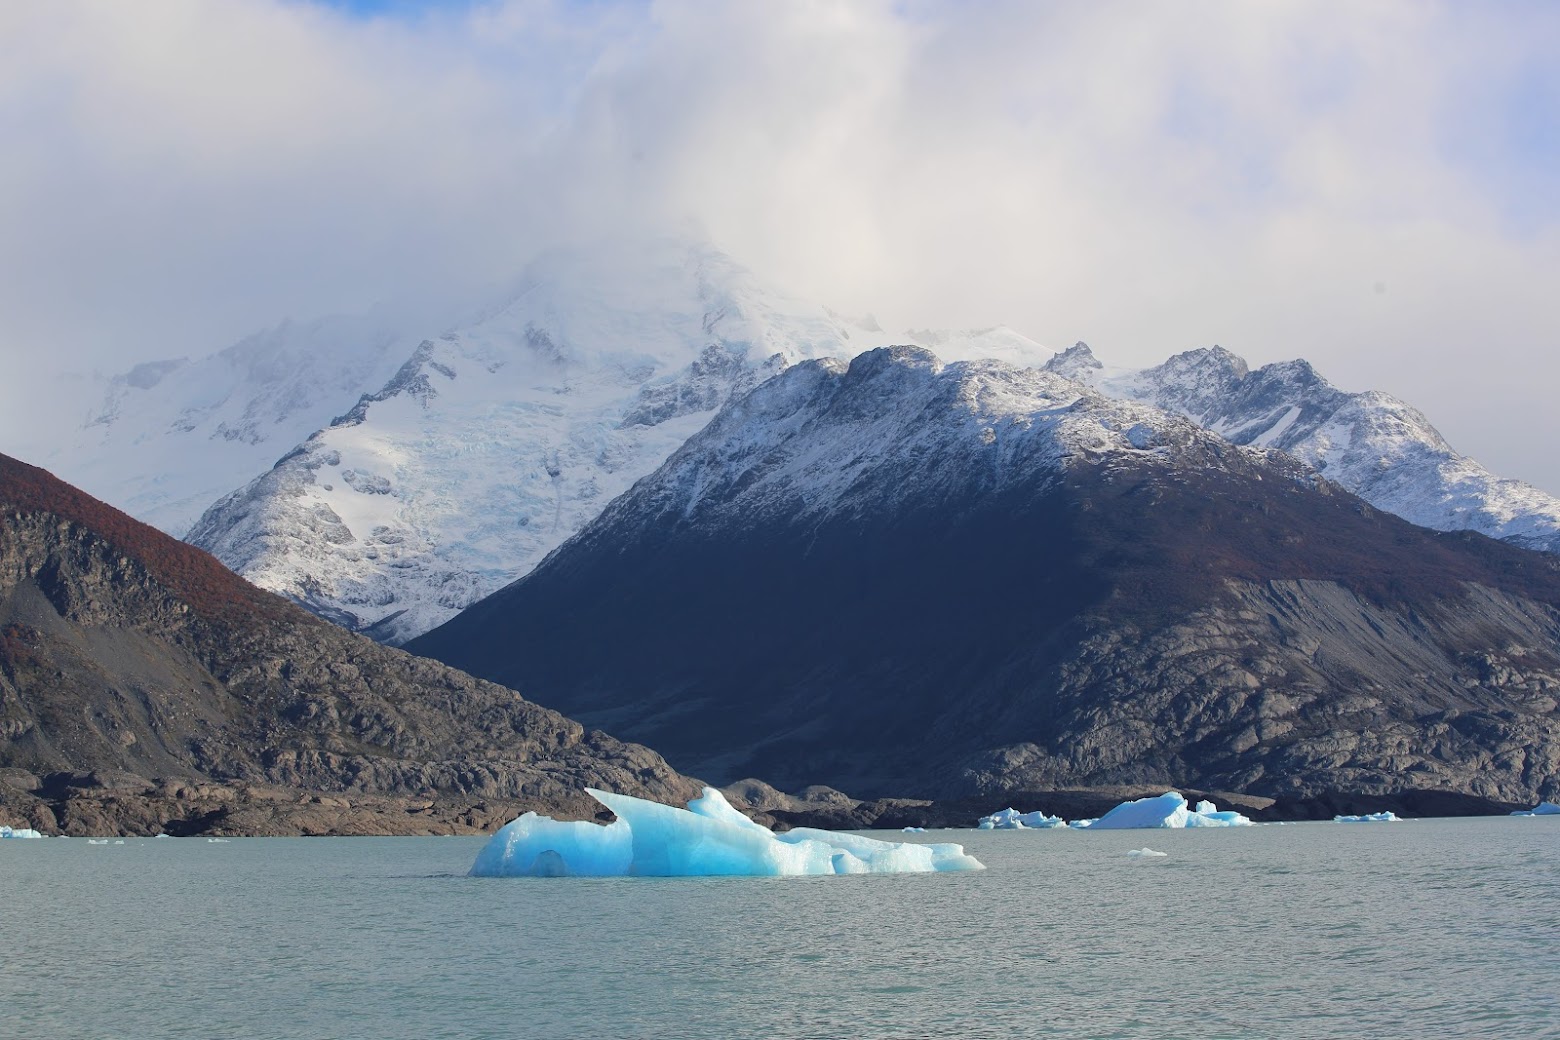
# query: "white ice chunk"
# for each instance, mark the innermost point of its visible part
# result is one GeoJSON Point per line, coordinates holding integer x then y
{"type": "Point", "coordinates": [709, 838]}
{"type": "Point", "coordinates": [1167, 810]}
{"type": "Point", "coordinates": [1012, 819]}
{"type": "Point", "coordinates": [18, 832]}
{"type": "Point", "coordinates": [1380, 817]}
{"type": "Point", "coordinates": [1082, 825]}
{"type": "Point", "coordinates": [1146, 853]}
{"type": "Point", "coordinates": [1541, 809]}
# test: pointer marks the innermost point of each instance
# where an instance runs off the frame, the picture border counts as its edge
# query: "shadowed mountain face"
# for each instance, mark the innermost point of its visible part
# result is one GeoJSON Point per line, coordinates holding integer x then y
{"type": "Point", "coordinates": [900, 577]}
{"type": "Point", "coordinates": [137, 668]}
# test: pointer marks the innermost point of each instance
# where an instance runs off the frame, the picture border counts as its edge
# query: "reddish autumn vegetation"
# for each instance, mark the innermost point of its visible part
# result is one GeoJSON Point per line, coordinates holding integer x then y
{"type": "Point", "coordinates": [191, 574]}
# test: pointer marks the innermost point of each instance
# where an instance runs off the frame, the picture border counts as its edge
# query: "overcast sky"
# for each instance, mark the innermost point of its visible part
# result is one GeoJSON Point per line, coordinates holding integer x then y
{"type": "Point", "coordinates": [1375, 187]}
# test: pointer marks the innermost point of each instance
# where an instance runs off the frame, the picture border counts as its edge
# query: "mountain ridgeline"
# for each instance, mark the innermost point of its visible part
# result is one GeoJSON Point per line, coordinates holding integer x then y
{"type": "Point", "coordinates": [900, 577]}
{"type": "Point", "coordinates": [143, 687]}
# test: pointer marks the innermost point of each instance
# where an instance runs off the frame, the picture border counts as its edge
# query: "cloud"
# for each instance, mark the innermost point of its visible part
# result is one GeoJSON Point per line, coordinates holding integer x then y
{"type": "Point", "coordinates": [1370, 186]}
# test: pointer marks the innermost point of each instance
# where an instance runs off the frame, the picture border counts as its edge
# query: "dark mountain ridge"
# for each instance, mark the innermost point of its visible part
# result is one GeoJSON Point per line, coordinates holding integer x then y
{"type": "Point", "coordinates": [144, 686]}
{"type": "Point", "coordinates": [904, 578]}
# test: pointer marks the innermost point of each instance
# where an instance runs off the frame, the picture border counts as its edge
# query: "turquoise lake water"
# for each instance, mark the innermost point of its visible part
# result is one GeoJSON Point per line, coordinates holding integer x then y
{"type": "Point", "coordinates": [1429, 928]}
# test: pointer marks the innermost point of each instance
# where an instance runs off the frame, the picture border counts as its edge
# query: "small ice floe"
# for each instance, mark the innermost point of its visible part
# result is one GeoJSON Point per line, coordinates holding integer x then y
{"type": "Point", "coordinates": [913, 830]}
{"type": "Point", "coordinates": [708, 838]}
{"type": "Point", "coordinates": [1011, 819]}
{"type": "Point", "coordinates": [1380, 817]}
{"type": "Point", "coordinates": [18, 832]}
{"type": "Point", "coordinates": [161, 835]}
{"type": "Point", "coordinates": [1167, 810]}
{"type": "Point", "coordinates": [1083, 825]}
{"type": "Point", "coordinates": [97, 841]}
{"type": "Point", "coordinates": [1541, 809]}
{"type": "Point", "coordinates": [217, 841]}
{"type": "Point", "coordinates": [1147, 853]}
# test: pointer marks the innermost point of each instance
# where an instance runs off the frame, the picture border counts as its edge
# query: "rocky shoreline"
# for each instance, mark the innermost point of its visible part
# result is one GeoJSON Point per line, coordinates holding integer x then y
{"type": "Point", "coordinates": [112, 804]}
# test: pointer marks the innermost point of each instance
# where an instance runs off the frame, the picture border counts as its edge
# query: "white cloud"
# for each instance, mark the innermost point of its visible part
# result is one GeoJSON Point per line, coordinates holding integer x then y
{"type": "Point", "coordinates": [1326, 180]}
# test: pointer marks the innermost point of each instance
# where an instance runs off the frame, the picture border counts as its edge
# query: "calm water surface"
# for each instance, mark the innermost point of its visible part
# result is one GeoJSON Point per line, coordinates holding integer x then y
{"type": "Point", "coordinates": [1432, 928]}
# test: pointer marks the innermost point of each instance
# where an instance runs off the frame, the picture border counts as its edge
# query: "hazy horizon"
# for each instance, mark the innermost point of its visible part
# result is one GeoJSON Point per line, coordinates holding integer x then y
{"type": "Point", "coordinates": [1373, 188]}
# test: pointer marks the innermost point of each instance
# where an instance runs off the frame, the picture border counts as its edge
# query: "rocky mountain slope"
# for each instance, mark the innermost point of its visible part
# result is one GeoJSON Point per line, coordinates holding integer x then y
{"type": "Point", "coordinates": [143, 686]}
{"type": "Point", "coordinates": [497, 441]}
{"type": "Point", "coordinates": [903, 577]}
{"type": "Point", "coordinates": [1370, 443]}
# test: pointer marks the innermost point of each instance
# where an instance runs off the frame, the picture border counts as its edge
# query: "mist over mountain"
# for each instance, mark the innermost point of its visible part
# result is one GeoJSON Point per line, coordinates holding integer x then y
{"type": "Point", "coordinates": [495, 442]}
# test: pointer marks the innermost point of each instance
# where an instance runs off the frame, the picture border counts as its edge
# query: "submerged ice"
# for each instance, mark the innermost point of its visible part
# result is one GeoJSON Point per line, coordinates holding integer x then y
{"type": "Point", "coordinates": [709, 838]}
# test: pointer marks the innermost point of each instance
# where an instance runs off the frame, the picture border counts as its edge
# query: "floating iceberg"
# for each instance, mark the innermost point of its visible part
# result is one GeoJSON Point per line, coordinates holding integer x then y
{"type": "Point", "coordinates": [1083, 825]}
{"type": "Point", "coordinates": [1541, 809]}
{"type": "Point", "coordinates": [1011, 819]}
{"type": "Point", "coordinates": [1146, 853]}
{"type": "Point", "coordinates": [709, 838]}
{"type": "Point", "coordinates": [1380, 817]}
{"type": "Point", "coordinates": [18, 832]}
{"type": "Point", "coordinates": [1167, 810]}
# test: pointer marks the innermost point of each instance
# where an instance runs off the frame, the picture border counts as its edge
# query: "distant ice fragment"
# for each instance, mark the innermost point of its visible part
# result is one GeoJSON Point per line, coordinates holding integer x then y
{"type": "Point", "coordinates": [18, 832]}
{"type": "Point", "coordinates": [1146, 853]}
{"type": "Point", "coordinates": [1541, 809]}
{"type": "Point", "coordinates": [1167, 810]}
{"type": "Point", "coordinates": [709, 838]}
{"type": "Point", "coordinates": [1012, 819]}
{"type": "Point", "coordinates": [913, 830]}
{"type": "Point", "coordinates": [1380, 817]}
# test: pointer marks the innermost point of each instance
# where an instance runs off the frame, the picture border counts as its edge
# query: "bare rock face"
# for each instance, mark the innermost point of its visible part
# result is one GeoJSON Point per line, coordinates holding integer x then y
{"type": "Point", "coordinates": [142, 684]}
{"type": "Point", "coordinates": [905, 579]}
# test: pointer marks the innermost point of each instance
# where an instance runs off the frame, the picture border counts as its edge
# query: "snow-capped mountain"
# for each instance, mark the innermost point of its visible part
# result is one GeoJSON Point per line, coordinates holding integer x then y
{"type": "Point", "coordinates": [903, 576]}
{"type": "Point", "coordinates": [495, 442]}
{"type": "Point", "coordinates": [1370, 443]}
{"type": "Point", "coordinates": [167, 438]}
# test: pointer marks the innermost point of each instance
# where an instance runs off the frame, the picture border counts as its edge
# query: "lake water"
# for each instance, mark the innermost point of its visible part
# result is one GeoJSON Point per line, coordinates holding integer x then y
{"type": "Point", "coordinates": [1431, 928]}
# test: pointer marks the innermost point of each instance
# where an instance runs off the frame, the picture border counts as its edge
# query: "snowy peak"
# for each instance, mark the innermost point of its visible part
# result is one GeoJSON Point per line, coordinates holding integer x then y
{"type": "Point", "coordinates": [494, 442]}
{"type": "Point", "coordinates": [170, 437]}
{"type": "Point", "coordinates": [1370, 443]}
{"type": "Point", "coordinates": [898, 427]}
{"type": "Point", "coordinates": [1194, 383]}
{"type": "Point", "coordinates": [1077, 362]}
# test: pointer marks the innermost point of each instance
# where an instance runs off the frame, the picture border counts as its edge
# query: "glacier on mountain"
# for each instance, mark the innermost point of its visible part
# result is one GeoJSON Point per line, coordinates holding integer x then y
{"type": "Point", "coordinates": [709, 838]}
{"type": "Point", "coordinates": [494, 443]}
{"type": "Point", "coordinates": [168, 438]}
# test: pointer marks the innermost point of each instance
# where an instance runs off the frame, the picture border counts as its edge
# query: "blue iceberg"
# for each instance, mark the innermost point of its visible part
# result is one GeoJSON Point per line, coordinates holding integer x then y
{"type": "Point", "coordinates": [18, 832]}
{"type": "Point", "coordinates": [1541, 809]}
{"type": "Point", "coordinates": [1380, 817]}
{"type": "Point", "coordinates": [1011, 819]}
{"type": "Point", "coordinates": [1166, 810]}
{"type": "Point", "coordinates": [709, 838]}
